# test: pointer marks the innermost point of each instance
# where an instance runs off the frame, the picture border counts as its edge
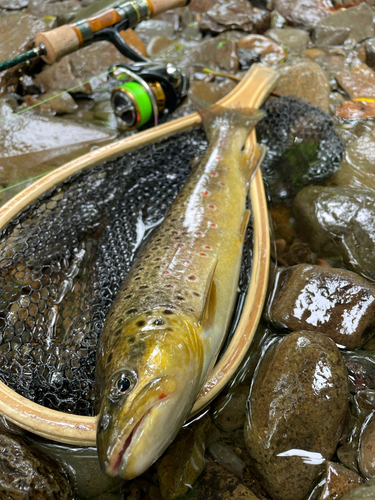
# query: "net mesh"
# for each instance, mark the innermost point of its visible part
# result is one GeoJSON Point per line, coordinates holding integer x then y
{"type": "Point", "coordinates": [302, 147]}
{"type": "Point", "coordinates": [63, 260]}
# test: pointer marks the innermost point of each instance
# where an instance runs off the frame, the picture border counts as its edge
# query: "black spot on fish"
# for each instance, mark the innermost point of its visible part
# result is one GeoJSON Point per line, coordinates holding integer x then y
{"type": "Point", "coordinates": [131, 340]}
{"type": "Point", "coordinates": [137, 278]}
{"type": "Point", "coordinates": [192, 278]}
{"type": "Point", "coordinates": [147, 256]}
{"type": "Point", "coordinates": [167, 311]}
{"type": "Point", "coordinates": [148, 313]}
{"type": "Point", "coordinates": [128, 296]}
{"type": "Point", "coordinates": [169, 329]}
{"type": "Point", "coordinates": [109, 359]}
{"type": "Point", "coordinates": [180, 298]}
{"type": "Point", "coordinates": [158, 322]}
{"type": "Point", "coordinates": [143, 287]}
{"type": "Point", "coordinates": [196, 294]}
{"type": "Point", "coordinates": [141, 323]}
{"type": "Point", "coordinates": [131, 311]}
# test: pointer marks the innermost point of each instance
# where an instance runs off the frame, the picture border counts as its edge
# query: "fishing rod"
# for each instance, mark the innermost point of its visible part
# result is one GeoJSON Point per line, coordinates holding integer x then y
{"type": "Point", "coordinates": [148, 90]}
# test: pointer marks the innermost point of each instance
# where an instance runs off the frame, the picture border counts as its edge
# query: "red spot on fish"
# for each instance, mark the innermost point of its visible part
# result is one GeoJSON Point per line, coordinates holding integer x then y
{"type": "Point", "coordinates": [222, 183]}
{"type": "Point", "coordinates": [180, 245]}
{"type": "Point", "coordinates": [162, 395]}
{"type": "Point", "coordinates": [207, 247]}
{"type": "Point", "coordinates": [218, 157]}
{"type": "Point", "coordinates": [205, 193]}
{"type": "Point", "coordinates": [183, 205]}
{"type": "Point", "coordinates": [199, 234]}
{"type": "Point", "coordinates": [213, 224]}
{"type": "Point", "coordinates": [202, 254]}
{"type": "Point", "coordinates": [212, 207]}
{"type": "Point", "coordinates": [213, 174]}
{"type": "Point", "coordinates": [165, 272]}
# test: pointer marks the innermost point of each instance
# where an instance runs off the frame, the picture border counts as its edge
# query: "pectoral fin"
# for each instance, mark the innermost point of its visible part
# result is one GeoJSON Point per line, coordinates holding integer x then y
{"type": "Point", "coordinates": [244, 224]}
{"type": "Point", "coordinates": [209, 299]}
{"type": "Point", "coordinates": [251, 159]}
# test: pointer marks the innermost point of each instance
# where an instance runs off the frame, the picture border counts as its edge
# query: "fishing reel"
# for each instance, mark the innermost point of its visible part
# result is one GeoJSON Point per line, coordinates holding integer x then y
{"type": "Point", "coordinates": [149, 91]}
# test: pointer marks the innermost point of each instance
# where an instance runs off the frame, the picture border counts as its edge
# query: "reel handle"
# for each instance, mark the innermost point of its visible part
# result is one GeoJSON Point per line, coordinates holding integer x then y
{"type": "Point", "coordinates": [70, 37]}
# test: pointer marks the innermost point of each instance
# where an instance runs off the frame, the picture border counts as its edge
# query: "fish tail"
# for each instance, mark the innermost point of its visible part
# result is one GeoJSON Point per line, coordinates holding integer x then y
{"type": "Point", "coordinates": [215, 117]}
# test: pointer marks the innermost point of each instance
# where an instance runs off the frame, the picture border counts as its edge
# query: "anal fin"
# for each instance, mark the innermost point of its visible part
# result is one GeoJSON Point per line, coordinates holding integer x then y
{"type": "Point", "coordinates": [251, 159]}
{"type": "Point", "coordinates": [208, 304]}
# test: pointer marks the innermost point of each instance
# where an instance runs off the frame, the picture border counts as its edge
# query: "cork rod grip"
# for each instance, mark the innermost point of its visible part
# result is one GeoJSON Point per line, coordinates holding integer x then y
{"type": "Point", "coordinates": [58, 42]}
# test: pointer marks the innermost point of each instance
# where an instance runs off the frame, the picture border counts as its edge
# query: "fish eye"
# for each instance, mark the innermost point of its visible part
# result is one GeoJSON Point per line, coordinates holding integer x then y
{"type": "Point", "coordinates": [126, 383]}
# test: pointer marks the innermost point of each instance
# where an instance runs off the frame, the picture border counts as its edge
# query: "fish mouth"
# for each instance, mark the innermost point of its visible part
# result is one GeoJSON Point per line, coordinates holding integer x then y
{"type": "Point", "coordinates": [120, 457]}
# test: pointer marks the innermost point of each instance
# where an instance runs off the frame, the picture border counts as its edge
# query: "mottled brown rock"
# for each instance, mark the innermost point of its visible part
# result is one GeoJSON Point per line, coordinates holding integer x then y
{"type": "Point", "coordinates": [365, 492]}
{"type": "Point", "coordinates": [366, 457]}
{"type": "Point", "coordinates": [298, 405]}
{"type": "Point", "coordinates": [304, 13]}
{"type": "Point", "coordinates": [356, 110]}
{"type": "Point", "coordinates": [17, 33]}
{"type": "Point", "coordinates": [299, 252]}
{"type": "Point", "coordinates": [234, 15]}
{"type": "Point", "coordinates": [361, 369]}
{"type": "Point", "coordinates": [230, 410]}
{"type": "Point", "coordinates": [226, 56]}
{"type": "Point", "coordinates": [184, 461]}
{"type": "Point", "coordinates": [27, 475]}
{"type": "Point", "coordinates": [335, 302]}
{"type": "Point", "coordinates": [293, 40]}
{"type": "Point", "coordinates": [356, 84]}
{"type": "Point", "coordinates": [42, 8]}
{"type": "Point", "coordinates": [210, 91]}
{"type": "Point", "coordinates": [270, 52]}
{"type": "Point", "coordinates": [356, 22]}
{"type": "Point", "coordinates": [306, 80]}
{"type": "Point", "coordinates": [216, 483]}
{"type": "Point", "coordinates": [339, 481]}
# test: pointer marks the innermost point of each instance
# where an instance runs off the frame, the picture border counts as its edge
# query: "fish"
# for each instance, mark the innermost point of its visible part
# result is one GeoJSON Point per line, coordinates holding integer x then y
{"type": "Point", "coordinates": [164, 330]}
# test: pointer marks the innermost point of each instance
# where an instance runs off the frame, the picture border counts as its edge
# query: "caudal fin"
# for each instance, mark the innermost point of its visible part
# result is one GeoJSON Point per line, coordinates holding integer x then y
{"type": "Point", "coordinates": [215, 117]}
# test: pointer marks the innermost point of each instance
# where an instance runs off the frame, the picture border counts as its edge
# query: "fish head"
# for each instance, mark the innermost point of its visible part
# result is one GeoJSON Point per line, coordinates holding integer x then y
{"type": "Point", "coordinates": [152, 377]}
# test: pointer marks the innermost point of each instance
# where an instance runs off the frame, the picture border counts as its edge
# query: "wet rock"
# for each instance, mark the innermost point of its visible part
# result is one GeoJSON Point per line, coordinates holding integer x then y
{"type": "Point", "coordinates": [298, 253]}
{"type": "Point", "coordinates": [157, 44]}
{"type": "Point", "coordinates": [306, 80]}
{"type": "Point", "coordinates": [293, 40]}
{"type": "Point", "coordinates": [313, 54]}
{"type": "Point", "coordinates": [82, 467]}
{"type": "Point", "coordinates": [17, 33]}
{"type": "Point", "coordinates": [54, 102]}
{"type": "Point", "coordinates": [305, 13]}
{"type": "Point", "coordinates": [210, 91]}
{"type": "Point", "coordinates": [361, 370]}
{"type": "Point", "coordinates": [42, 8]}
{"type": "Point", "coordinates": [13, 4]}
{"type": "Point", "coordinates": [369, 46]}
{"type": "Point", "coordinates": [230, 410]}
{"type": "Point", "coordinates": [297, 410]}
{"type": "Point", "coordinates": [334, 302]}
{"type": "Point", "coordinates": [234, 15]}
{"type": "Point", "coordinates": [339, 481]}
{"type": "Point", "coordinates": [154, 27]}
{"type": "Point", "coordinates": [357, 84]}
{"type": "Point", "coordinates": [24, 153]}
{"type": "Point", "coordinates": [75, 69]}
{"type": "Point", "coordinates": [225, 455]}
{"type": "Point", "coordinates": [366, 456]}
{"type": "Point", "coordinates": [356, 23]}
{"type": "Point", "coordinates": [270, 52]}
{"type": "Point", "coordinates": [357, 168]}
{"type": "Point", "coordinates": [184, 461]}
{"type": "Point", "coordinates": [226, 56]}
{"type": "Point", "coordinates": [365, 492]}
{"type": "Point", "coordinates": [216, 483]}
{"type": "Point", "coordinates": [339, 222]}
{"type": "Point", "coordinates": [356, 110]}
{"type": "Point", "coordinates": [201, 5]}
{"type": "Point", "coordinates": [25, 474]}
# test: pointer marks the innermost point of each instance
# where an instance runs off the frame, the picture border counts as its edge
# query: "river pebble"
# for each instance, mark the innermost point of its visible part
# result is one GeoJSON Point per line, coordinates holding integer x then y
{"type": "Point", "coordinates": [335, 302]}
{"type": "Point", "coordinates": [297, 410]}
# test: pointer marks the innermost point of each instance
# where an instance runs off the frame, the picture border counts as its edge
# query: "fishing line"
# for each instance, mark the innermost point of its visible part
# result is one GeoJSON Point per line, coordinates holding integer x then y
{"type": "Point", "coordinates": [27, 180]}
{"type": "Point", "coordinates": [8, 117]}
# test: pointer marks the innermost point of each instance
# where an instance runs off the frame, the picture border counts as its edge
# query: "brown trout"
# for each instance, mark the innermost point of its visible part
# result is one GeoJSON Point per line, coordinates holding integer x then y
{"type": "Point", "coordinates": [164, 331]}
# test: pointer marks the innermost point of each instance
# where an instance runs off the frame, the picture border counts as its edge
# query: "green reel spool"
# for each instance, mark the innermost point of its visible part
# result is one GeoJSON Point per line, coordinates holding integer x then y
{"type": "Point", "coordinates": [132, 104]}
